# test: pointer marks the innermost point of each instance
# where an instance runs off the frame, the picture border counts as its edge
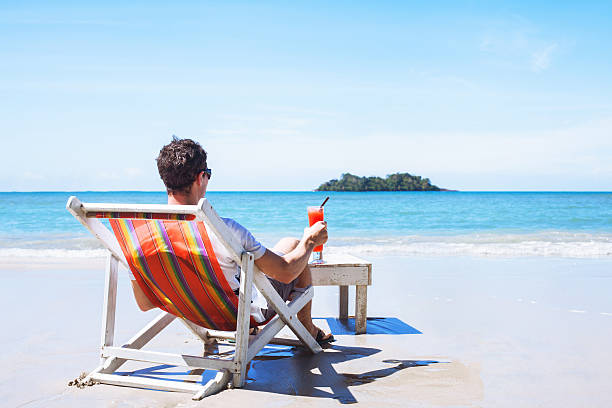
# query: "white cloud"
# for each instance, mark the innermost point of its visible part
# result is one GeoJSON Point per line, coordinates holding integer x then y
{"type": "Point", "coordinates": [33, 176]}
{"type": "Point", "coordinates": [573, 158]}
{"type": "Point", "coordinates": [518, 43]}
{"type": "Point", "coordinates": [486, 44]}
{"type": "Point", "coordinates": [227, 132]}
{"type": "Point", "coordinates": [133, 172]}
{"type": "Point", "coordinates": [540, 60]}
{"type": "Point", "coordinates": [297, 110]}
{"type": "Point", "coordinates": [108, 175]}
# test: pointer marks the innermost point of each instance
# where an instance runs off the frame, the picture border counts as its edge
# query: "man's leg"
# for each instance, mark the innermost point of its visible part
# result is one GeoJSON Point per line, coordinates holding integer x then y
{"type": "Point", "coordinates": [285, 246]}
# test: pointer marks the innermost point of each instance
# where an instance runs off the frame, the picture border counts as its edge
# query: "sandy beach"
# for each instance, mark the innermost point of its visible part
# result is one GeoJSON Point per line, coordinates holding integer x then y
{"type": "Point", "coordinates": [444, 332]}
{"type": "Point", "coordinates": [464, 149]}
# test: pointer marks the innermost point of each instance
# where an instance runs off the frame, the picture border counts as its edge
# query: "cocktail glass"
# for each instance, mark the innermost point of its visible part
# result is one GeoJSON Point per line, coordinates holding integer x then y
{"type": "Point", "coordinates": [315, 214]}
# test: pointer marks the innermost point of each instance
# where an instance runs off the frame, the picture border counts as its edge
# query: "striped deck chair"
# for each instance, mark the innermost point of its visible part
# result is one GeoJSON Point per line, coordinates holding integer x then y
{"type": "Point", "coordinates": [168, 251]}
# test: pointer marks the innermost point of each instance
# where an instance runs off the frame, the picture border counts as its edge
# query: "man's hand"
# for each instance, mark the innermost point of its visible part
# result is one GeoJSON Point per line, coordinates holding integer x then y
{"type": "Point", "coordinates": [289, 266]}
{"type": "Point", "coordinates": [317, 234]}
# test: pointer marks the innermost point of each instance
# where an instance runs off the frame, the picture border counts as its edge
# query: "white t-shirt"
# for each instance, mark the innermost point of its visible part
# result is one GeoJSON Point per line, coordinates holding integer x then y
{"type": "Point", "coordinates": [231, 269]}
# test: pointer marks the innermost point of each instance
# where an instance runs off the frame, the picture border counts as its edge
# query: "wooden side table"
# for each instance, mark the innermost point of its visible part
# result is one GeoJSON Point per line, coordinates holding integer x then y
{"type": "Point", "coordinates": [345, 271]}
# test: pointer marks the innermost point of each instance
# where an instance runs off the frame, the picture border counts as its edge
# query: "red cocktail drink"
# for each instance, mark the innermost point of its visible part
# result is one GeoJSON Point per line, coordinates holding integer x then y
{"type": "Point", "coordinates": [315, 214]}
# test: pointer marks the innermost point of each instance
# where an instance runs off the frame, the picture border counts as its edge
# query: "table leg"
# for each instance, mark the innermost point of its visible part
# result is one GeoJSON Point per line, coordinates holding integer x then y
{"type": "Point", "coordinates": [343, 314]}
{"type": "Point", "coordinates": [361, 309]}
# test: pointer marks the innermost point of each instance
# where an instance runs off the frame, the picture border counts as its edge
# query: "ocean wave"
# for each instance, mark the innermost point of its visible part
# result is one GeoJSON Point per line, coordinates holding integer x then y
{"type": "Point", "coordinates": [525, 249]}
{"type": "Point", "coordinates": [52, 253]}
{"type": "Point", "coordinates": [51, 241]}
{"type": "Point", "coordinates": [541, 244]}
{"type": "Point", "coordinates": [545, 244]}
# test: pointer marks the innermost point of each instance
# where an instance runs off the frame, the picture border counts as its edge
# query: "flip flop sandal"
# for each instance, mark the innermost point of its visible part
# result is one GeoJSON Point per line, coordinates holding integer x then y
{"type": "Point", "coordinates": [321, 339]}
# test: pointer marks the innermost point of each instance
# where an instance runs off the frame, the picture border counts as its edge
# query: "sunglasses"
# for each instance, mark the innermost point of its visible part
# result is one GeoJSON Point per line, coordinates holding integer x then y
{"type": "Point", "coordinates": [208, 172]}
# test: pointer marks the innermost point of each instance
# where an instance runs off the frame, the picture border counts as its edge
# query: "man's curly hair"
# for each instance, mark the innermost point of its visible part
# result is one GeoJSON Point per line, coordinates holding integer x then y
{"type": "Point", "coordinates": [179, 162]}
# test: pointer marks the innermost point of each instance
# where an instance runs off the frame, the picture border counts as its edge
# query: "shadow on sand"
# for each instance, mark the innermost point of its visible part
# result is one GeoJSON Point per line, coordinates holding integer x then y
{"type": "Point", "coordinates": [297, 372]}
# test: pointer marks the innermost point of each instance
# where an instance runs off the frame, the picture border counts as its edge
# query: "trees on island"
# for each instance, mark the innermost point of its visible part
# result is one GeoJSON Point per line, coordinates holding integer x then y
{"type": "Point", "coordinates": [393, 182]}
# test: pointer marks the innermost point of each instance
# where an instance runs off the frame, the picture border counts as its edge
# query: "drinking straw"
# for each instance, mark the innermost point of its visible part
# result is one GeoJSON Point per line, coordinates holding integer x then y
{"type": "Point", "coordinates": [327, 198]}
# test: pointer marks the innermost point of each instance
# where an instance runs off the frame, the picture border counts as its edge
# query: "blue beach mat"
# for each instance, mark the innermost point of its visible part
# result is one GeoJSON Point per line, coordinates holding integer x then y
{"type": "Point", "coordinates": [375, 325]}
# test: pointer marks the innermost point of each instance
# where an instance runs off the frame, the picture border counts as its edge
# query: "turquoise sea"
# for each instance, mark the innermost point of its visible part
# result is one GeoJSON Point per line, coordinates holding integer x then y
{"type": "Point", "coordinates": [506, 224]}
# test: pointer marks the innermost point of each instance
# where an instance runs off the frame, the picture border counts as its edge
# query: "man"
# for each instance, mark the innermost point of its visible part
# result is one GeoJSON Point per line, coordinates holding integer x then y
{"type": "Point", "coordinates": [183, 169]}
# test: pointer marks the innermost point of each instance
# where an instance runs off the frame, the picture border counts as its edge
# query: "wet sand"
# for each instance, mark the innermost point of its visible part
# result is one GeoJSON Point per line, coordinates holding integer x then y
{"type": "Point", "coordinates": [451, 332]}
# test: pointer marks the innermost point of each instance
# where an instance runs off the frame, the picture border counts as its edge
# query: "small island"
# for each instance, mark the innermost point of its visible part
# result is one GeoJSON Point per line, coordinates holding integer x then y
{"type": "Point", "coordinates": [393, 182]}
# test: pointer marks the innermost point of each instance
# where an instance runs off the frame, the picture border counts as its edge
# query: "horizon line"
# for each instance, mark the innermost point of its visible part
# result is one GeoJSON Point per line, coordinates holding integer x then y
{"type": "Point", "coordinates": [311, 191]}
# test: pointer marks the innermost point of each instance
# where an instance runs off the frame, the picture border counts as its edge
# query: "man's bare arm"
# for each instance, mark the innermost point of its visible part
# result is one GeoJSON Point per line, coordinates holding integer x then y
{"type": "Point", "coordinates": [288, 267]}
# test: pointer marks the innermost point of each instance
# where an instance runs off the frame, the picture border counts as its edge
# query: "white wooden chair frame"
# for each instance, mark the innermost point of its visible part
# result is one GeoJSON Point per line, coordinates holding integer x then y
{"type": "Point", "coordinates": [231, 368]}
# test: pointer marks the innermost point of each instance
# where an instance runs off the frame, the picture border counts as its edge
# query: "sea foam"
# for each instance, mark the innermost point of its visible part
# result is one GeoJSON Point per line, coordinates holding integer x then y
{"type": "Point", "coordinates": [544, 244]}
{"type": "Point", "coordinates": [51, 253]}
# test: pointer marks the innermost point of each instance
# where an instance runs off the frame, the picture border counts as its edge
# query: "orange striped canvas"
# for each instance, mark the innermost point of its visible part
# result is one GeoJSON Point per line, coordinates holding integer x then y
{"type": "Point", "coordinates": [174, 264]}
{"type": "Point", "coordinates": [145, 215]}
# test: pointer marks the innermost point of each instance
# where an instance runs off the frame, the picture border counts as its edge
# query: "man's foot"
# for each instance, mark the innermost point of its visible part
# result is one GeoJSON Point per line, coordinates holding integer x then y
{"type": "Point", "coordinates": [323, 338]}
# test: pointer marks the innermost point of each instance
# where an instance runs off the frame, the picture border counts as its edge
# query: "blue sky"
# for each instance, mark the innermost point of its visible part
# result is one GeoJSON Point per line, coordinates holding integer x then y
{"type": "Point", "coordinates": [285, 95]}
